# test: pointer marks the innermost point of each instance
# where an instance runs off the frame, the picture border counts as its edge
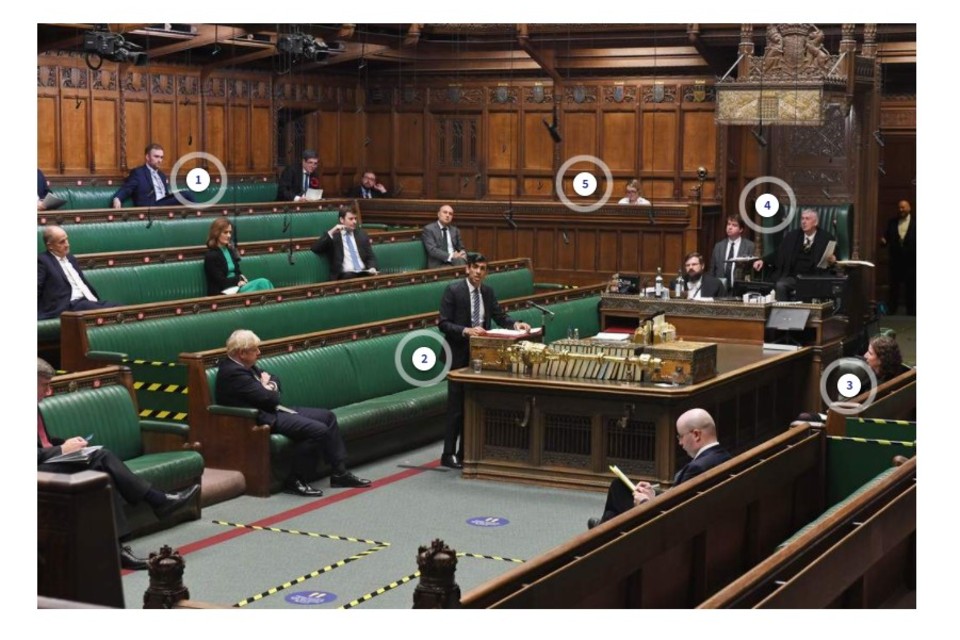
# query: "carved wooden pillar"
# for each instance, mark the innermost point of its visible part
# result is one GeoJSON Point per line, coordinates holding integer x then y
{"type": "Point", "coordinates": [166, 580]}
{"type": "Point", "coordinates": [437, 589]}
{"type": "Point", "coordinates": [745, 49]}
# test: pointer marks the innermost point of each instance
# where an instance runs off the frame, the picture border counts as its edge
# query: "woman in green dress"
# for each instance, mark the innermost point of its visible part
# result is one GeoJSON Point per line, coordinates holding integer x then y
{"type": "Point", "coordinates": [221, 264]}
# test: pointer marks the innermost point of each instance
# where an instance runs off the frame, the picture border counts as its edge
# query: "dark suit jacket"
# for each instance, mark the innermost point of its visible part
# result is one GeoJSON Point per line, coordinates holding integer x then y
{"type": "Point", "coordinates": [45, 453]}
{"type": "Point", "coordinates": [215, 268]}
{"type": "Point", "coordinates": [789, 251]}
{"type": "Point", "coordinates": [905, 254]}
{"type": "Point", "coordinates": [42, 189]}
{"type": "Point", "coordinates": [707, 460]}
{"type": "Point", "coordinates": [333, 249]}
{"type": "Point", "coordinates": [435, 247]}
{"type": "Point", "coordinates": [455, 317]}
{"type": "Point", "coordinates": [356, 192]}
{"type": "Point", "coordinates": [53, 288]}
{"type": "Point", "coordinates": [718, 260]}
{"type": "Point", "coordinates": [291, 182]}
{"type": "Point", "coordinates": [139, 184]}
{"type": "Point", "coordinates": [238, 386]}
{"type": "Point", "coordinates": [711, 287]}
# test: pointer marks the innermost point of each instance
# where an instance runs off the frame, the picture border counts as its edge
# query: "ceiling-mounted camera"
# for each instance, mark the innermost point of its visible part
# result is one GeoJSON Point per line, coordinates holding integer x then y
{"type": "Point", "coordinates": [100, 45]}
{"type": "Point", "coordinates": [302, 46]}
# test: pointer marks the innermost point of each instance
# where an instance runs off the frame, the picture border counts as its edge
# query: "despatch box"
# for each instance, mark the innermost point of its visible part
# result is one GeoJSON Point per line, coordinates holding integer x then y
{"type": "Point", "coordinates": [683, 362]}
{"type": "Point", "coordinates": [492, 349]}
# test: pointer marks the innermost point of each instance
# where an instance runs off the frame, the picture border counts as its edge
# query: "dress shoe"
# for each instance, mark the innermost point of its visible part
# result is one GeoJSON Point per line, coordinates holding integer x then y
{"type": "Point", "coordinates": [175, 501]}
{"type": "Point", "coordinates": [347, 479]}
{"type": "Point", "coordinates": [298, 487]}
{"type": "Point", "coordinates": [130, 561]}
{"type": "Point", "coordinates": [451, 461]}
{"type": "Point", "coordinates": [592, 522]}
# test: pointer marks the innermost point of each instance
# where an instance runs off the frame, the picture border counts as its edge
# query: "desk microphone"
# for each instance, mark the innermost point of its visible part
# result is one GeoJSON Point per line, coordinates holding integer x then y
{"type": "Point", "coordinates": [531, 303]}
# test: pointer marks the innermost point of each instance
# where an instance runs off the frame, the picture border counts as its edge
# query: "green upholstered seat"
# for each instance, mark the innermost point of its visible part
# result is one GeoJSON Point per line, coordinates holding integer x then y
{"type": "Point", "coordinates": [101, 196]}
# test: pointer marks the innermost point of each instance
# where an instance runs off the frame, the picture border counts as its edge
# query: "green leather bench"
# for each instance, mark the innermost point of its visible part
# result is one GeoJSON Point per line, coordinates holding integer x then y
{"type": "Point", "coordinates": [146, 283]}
{"type": "Point", "coordinates": [379, 411]}
{"type": "Point", "coordinates": [101, 196]}
{"type": "Point", "coordinates": [851, 462]}
{"type": "Point", "coordinates": [99, 402]}
{"type": "Point", "coordinates": [164, 232]}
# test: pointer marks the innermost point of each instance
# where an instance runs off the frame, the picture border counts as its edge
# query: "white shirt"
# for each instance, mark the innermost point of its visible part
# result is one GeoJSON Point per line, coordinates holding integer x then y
{"type": "Point", "coordinates": [449, 241]}
{"type": "Point", "coordinates": [639, 201]}
{"type": "Point", "coordinates": [78, 289]}
{"type": "Point", "coordinates": [808, 239]}
{"type": "Point", "coordinates": [158, 189]}
{"type": "Point", "coordinates": [693, 288]}
{"type": "Point", "coordinates": [705, 447]}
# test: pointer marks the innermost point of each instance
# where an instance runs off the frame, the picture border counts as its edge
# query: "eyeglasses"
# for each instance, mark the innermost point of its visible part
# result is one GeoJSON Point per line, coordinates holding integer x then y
{"type": "Point", "coordinates": [681, 435]}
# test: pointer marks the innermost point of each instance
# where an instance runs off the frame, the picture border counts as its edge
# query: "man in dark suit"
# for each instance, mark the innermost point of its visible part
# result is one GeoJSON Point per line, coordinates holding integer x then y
{"type": "Point", "coordinates": [368, 187]}
{"type": "Point", "coordinates": [901, 238]}
{"type": "Point", "coordinates": [241, 383]}
{"type": "Point", "coordinates": [61, 285]}
{"type": "Point", "coordinates": [697, 434]}
{"type": "Point", "coordinates": [128, 486]}
{"type": "Point", "coordinates": [799, 253]}
{"type": "Point", "coordinates": [698, 284]}
{"type": "Point", "coordinates": [294, 181]}
{"type": "Point", "coordinates": [441, 241]}
{"type": "Point", "coordinates": [466, 309]}
{"type": "Point", "coordinates": [149, 186]}
{"type": "Point", "coordinates": [348, 249]}
{"type": "Point", "coordinates": [734, 246]}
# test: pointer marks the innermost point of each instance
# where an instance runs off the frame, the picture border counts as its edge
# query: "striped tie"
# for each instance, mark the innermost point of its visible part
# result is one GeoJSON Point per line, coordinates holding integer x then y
{"type": "Point", "coordinates": [475, 315]}
{"type": "Point", "coordinates": [354, 256]}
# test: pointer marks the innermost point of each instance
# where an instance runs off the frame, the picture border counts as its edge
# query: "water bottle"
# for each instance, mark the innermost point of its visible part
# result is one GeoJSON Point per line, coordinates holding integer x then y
{"type": "Point", "coordinates": [658, 284]}
{"type": "Point", "coordinates": [678, 285]}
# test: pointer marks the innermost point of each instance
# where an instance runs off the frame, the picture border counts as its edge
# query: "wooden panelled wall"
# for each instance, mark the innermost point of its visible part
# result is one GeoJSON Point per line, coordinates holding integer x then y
{"type": "Point", "coordinates": [438, 138]}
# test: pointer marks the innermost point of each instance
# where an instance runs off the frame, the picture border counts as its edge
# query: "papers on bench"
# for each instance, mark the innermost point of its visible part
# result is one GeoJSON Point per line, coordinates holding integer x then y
{"type": "Point", "coordinates": [618, 337]}
{"type": "Point", "coordinates": [80, 455]}
{"type": "Point", "coordinates": [313, 195]}
{"type": "Point", "coordinates": [513, 333]}
{"type": "Point", "coordinates": [51, 201]}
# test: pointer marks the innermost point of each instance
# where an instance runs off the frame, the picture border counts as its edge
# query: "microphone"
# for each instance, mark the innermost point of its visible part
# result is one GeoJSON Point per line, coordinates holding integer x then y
{"type": "Point", "coordinates": [563, 234]}
{"type": "Point", "coordinates": [508, 216]}
{"type": "Point", "coordinates": [531, 303]}
{"type": "Point", "coordinates": [759, 136]}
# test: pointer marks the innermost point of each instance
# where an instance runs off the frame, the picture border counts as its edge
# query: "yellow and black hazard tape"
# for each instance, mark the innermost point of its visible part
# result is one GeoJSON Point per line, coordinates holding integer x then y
{"type": "Point", "coordinates": [483, 557]}
{"type": "Point", "coordinates": [161, 387]}
{"type": "Point", "coordinates": [312, 574]}
{"type": "Point", "coordinates": [406, 579]}
{"type": "Point", "coordinates": [874, 441]}
{"type": "Point", "coordinates": [380, 591]}
{"type": "Point", "coordinates": [311, 534]}
{"type": "Point", "coordinates": [904, 423]}
{"type": "Point", "coordinates": [152, 363]}
{"type": "Point", "coordinates": [163, 414]}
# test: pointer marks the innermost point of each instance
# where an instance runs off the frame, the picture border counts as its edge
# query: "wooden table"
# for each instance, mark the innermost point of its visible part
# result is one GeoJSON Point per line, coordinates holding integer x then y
{"type": "Point", "coordinates": [566, 432]}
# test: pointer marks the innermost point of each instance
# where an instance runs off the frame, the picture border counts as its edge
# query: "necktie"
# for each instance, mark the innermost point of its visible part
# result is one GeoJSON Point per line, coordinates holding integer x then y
{"type": "Point", "coordinates": [352, 250]}
{"type": "Point", "coordinates": [446, 240]}
{"type": "Point", "coordinates": [366, 193]}
{"type": "Point", "coordinates": [76, 281]}
{"type": "Point", "coordinates": [806, 243]}
{"type": "Point", "coordinates": [306, 181]}
{"type": "Point", "coordinates": [158, 189]}
{"type": "Point", "coordinates": [475, 313]}
{"type": "Point", "coordinates": [42, 432]}
{"type": "Point", "coordinates": [729, 268]}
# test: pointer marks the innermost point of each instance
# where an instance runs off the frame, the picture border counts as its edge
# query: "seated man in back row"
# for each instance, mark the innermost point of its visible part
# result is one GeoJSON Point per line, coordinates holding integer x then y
{"type": "Point", "coordinates": [348, 248]}
{"type": "Point", "coordinates": [441, 241]}
{"type": "Point", "coordinates": [148, 185]}
{"type": "Point", "coordinates": [241, 383]}
{"type": "Point", "coordinates": [697, 434]}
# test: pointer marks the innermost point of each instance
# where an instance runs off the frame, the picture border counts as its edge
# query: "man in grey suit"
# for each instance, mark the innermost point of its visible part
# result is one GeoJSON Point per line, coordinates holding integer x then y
{"type": "Point", "coordinates": [733, 247]}
{"type": "Point", "coordinates": [441, 241]}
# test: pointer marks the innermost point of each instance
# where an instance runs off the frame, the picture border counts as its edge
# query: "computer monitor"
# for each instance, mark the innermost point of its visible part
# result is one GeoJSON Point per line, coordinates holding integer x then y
{"type": "Point", "coordinates": [820, 287]}
{"type": "Point", "coordinates": [788, 318]}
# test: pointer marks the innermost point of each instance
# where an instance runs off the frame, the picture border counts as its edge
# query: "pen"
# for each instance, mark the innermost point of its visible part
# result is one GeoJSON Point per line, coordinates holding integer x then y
{"type": "Point", "coordinates": [89, 438]}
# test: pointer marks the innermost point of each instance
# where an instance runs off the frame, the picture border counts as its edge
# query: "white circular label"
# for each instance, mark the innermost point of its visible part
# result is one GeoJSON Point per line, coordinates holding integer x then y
{"type": "Point", "coordinates": [424, 358]}
{"type": "Point", "coordinates": [767, 205]}
{"type": "Point", "coordinates": [848, 385]}
{"type": "Point", "coordinates": [198, 179]}
{"type": "Point", "coordinates": [585, 183]}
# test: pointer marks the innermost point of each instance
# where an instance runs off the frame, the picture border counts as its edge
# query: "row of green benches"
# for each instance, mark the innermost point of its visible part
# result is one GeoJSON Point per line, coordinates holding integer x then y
{"type": "Point", "coordinates": [155, 282]}
{"type": "Point", "coordinates": [97, 196]}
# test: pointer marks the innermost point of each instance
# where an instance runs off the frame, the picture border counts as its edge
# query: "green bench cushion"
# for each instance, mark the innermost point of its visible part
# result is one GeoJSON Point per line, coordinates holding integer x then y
{"type": "Point", "coordinates": [101, 196]}
{"type": "Point", "coordinates": [106, 412]}
{"type": "Point", "coordinates": [168, 470]}
{"type": "Point", "coordinates": [853, 462]}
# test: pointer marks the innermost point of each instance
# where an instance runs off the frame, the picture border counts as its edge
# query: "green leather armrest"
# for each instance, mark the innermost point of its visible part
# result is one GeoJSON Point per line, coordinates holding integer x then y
{"type": "Point", "coordinates": [170, 428]}
{"type": "Point", "coordinates": [239, 412]}
{"type": "Point", "coordinates": [111, 356]}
